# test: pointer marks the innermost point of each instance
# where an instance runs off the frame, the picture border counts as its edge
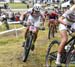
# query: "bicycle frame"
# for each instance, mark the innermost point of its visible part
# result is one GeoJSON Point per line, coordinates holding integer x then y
{"type": "Point", "coordinates": [29, 35]}
{"type": "Point", "coordinates": [31, 32]}
{"type": "Point", "coordinates": [71, 41]}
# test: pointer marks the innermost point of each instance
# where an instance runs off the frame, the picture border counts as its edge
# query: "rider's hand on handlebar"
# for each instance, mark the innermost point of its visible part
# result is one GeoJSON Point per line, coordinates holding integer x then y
{"type": "Point", "coordinates": [23, 23]}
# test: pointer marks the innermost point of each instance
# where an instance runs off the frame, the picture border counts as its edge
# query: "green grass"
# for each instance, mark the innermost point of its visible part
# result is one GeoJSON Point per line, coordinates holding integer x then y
{"type": "Point", "coordinates": [11, 50]}
{"type": "Point", "coordinates": [16, 5]}
{"type": "Point", "coordinates": [11, 26]}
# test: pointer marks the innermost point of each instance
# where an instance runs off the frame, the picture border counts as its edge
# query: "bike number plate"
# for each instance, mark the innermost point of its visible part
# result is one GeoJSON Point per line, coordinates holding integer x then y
{"type": "Point", "coordinates": [32, 28]}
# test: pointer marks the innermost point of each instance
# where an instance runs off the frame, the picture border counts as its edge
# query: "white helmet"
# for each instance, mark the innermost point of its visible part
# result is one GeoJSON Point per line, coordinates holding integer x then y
{"type": "Point", "coordinates": [37, 7]}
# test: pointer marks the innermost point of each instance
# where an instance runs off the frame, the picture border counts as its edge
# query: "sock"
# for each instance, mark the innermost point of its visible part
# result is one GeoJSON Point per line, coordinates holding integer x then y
{"type": "Point", "coordinates": [58, 59]}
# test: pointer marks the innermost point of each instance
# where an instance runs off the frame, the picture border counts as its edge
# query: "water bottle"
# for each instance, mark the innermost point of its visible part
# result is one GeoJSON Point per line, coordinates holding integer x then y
{"type": "Point", "coordinates": [67, 48]}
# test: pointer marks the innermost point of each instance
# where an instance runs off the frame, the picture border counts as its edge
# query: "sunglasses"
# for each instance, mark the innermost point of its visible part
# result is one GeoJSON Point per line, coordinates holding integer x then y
{"type": "Point", "coordinates": [37, 11]}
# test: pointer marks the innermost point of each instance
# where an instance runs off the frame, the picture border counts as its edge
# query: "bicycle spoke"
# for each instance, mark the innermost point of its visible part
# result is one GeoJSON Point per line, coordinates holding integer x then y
{"type": "Point", "coordinates": [51, 54]}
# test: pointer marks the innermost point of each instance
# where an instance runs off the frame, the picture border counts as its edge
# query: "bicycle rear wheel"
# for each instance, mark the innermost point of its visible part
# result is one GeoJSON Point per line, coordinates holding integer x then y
{"type": "Point", "coordinates": [49, 33]}
{"type": "Point", "coordinates": [27, 48]}
{"type": "Point", "coordinates": [52, 31]}
{"type": "Point", "coordinates": [52, 54]}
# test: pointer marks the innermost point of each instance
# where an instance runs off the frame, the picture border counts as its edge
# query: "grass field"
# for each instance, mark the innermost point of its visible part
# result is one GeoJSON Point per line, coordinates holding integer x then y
{"type": "Point", "coordinates": [11, 26]}
{"type": "Point", "coordinates": [11, 46]}
{"type": "Point", "coordinates": [11, 50]}
{"type": "Point", "coordinates": [16, 5]}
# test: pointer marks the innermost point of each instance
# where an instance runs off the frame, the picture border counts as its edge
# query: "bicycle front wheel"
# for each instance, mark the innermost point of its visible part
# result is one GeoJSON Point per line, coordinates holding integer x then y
{"type": "Point", "coordinates": [27, 48]}
{"type": "Point", "coordinates": [52, 54]}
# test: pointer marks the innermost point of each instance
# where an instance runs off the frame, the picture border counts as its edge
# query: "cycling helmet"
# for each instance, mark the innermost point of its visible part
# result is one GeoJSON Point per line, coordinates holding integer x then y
{"type": "Point", "coordinates": [37, 7]}
{"type": "Point", "coordinates": [71, 16]}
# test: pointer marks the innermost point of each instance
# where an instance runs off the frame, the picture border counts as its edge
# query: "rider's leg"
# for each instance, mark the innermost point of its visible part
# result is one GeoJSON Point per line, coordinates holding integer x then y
{"type": "Point", "coordinates": [34, 40]}
{"type": "Point", "coordinates": [35, 37]}
{"type": "Point", "coordinates": [64, 39]}
{"type": "Point", "coordinates": [49, 23]}
{"type": "Point", "coordinates": [56, 24]}
{"type": "Point", "coordinates": [52, 26]}
{"type": "Point", "coordinates": [27, 29]}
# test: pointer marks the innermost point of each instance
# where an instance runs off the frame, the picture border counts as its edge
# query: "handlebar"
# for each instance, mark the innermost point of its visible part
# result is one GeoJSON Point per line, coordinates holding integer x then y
{"type": "Point", "coordinates": [25, 25]}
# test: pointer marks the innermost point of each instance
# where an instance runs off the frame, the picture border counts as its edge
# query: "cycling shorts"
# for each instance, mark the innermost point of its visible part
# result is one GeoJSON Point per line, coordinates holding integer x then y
{"type": "Point", "coordinates": [63, 27]}
{"type": "Point", "coordinates": [53, 17]}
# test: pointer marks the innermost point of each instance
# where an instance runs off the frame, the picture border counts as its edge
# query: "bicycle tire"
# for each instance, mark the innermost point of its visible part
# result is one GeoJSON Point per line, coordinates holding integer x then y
{"type": "Point", "coordinates": [52, 32]}
{"type": "Point", "coordinates": [27, 48]}
{"type": "Point", "coordinates": [49, 33]}
{"type": "Point", "coordinates": [51, 55]}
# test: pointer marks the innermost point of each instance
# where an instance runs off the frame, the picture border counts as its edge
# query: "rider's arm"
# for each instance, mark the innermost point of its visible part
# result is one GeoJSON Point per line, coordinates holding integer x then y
{"type": "Point", "coordinates": [64, 17]}
{"type": "Point", "coordinates": [23, 15]}
{"type": "Point", "coordinates": [72, 8]}
{"type": "Point", "coordinates": [43, 19]}
{"type": "Point", "coordinates": [61, 20]}
{"type": "Point", "coordinates": [30, 20]}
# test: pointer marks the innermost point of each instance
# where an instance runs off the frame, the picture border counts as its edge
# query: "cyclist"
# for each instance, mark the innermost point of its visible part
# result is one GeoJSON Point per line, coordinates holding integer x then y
{"type": "Point", "coordinates": [57, 10]}
{"type": "Point", "coordinates": [34, 17]}
{"type": "Point", "coordinates": [53, 16]}
{"type": "Point", "coordinates": [67, 18]}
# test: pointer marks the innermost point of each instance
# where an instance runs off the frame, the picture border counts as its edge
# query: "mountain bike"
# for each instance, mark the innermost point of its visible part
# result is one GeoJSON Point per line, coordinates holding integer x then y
{"type": "Point", "coordinates": [67, 57]}
{"type": "Point", "coordinates": [52, 30]}
{"type": "Point", "coordinates": [28, 44]}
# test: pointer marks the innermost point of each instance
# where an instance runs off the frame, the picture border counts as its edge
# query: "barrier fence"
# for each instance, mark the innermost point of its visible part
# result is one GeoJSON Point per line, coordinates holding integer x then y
{"type": "Point", "coordinates": [12, 30]}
